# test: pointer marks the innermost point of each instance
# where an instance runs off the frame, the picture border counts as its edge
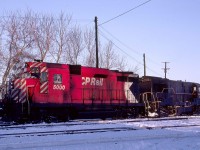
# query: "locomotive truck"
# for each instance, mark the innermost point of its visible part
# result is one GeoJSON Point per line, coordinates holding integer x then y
{"type": "Point", "coordinates": [45, 91]}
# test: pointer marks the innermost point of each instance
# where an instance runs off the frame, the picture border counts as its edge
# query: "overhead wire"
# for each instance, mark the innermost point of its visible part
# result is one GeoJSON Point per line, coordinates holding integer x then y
{"type": "Point", "coordinates": [125, 12]}
{"type": "Point", "coordinates": [101, 33]}
{"type": "Point", "coordinates": [117, 39]}
{"type": "Point", "coordinates": [128, 47]}
{"type": "Point", "coordinates": [138, 53]}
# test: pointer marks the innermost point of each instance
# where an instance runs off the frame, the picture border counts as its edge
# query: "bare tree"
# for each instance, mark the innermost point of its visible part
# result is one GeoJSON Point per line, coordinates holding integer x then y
{"type": "Point", "coordinates": [74, 45]}
{"type": "Point", "coordinates": [89, 40]}
{"type": "Point", "coordinates": [61, 36]}
{"type": "Point", "coordinates": [134, 69]}
{"type": "Point", "coordinates": [23, 36]}
{"type": "Point", "coordinates": [43, 32]}
{"type": "Point", "coordinates": [17, 41]}
{"type": "Point", "coordinates": [109, 56]}
{"type": "Point", "coordinates": [121, 63]}
{"type": "Point", "coordinates": [2, 29]}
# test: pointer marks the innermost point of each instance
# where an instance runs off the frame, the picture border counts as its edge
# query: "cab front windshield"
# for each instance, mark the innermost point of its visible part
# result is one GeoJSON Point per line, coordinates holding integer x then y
{"type": "Point", "coordinates": [33, 73]}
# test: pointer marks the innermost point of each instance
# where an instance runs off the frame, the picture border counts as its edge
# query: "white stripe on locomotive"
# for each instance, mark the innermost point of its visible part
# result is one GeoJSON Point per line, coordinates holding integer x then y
{"type": "Point", "coordinates": [36, 64]}
{"type": "Point", "coordinates": [19, 92]}
{"type": "Point", "coordinates": [44, 86]}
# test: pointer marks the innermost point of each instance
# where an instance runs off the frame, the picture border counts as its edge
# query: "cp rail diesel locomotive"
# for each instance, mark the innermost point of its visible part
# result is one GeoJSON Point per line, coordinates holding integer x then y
{"type": "Point", "coordinates": [49, 90]}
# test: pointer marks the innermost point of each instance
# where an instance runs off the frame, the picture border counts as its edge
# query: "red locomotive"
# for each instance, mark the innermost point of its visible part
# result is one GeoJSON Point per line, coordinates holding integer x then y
{"type": "Point", "coordinates": [61, 90]}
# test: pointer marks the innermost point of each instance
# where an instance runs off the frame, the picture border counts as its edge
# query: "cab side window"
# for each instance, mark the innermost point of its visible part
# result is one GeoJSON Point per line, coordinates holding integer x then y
{"type": "Point", "coordinates": [43, 77]}
{"type": "Point", "coordinates": [35, 72]}
{"type": "Point", "coordinates": [57, 78]}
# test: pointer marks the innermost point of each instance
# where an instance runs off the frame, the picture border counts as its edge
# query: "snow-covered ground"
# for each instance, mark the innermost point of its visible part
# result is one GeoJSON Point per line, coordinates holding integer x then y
{"type": "Point", "coordinates": [127, 134]}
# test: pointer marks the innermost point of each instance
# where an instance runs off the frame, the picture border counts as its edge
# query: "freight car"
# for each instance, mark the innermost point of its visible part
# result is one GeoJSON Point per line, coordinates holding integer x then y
{"type": "Point", "coordinates": [46, 91]}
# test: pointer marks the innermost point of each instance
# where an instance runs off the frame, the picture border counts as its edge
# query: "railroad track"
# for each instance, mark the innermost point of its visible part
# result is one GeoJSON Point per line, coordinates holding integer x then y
{"type": "Point", "coordinates": [25, 126]}
{"type": "Point", "coordinates": [63, 132]}
{"type": "Point", "coordinates": [4, 125]}
{"type": "Point", "coordinates": [156, 119]}
{"type": "Point", "coordinates": [84, 122]}
{"type": "Point", "coordinates": [173, 126]}
{"type": "Point", "coordinates": [85, 131]}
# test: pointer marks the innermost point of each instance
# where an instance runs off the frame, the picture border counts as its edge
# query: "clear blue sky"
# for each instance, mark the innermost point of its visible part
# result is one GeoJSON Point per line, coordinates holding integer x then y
{"type": "Point", "coordinates": [165, 30]}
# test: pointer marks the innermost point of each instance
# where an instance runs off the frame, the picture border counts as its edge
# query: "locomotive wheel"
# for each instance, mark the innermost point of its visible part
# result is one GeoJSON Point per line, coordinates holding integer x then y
{"type": "Point", "coordinates": [131, 112]}
{"type": "Point", "coordinates": [65, 117]}
{"type": "Point", "coordinates": [163, 111]}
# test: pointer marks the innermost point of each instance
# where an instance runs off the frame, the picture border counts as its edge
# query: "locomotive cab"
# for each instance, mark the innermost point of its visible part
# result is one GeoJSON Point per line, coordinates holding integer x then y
{"type": "Point", "coordinates": [41, 85]}
{"type": "Point", "coordinates": [52, 84]}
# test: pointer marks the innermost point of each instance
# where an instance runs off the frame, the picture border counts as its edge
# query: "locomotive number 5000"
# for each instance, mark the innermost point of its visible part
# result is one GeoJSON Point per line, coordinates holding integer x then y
{"type": "Point", "coordinates": [59, 87]}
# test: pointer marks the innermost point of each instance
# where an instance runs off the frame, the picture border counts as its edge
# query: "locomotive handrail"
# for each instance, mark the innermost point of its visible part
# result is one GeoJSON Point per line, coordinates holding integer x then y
{"type": "Point", "coordinates": [168, 89]}
{"type": "Point", "coordinates": [174, 93]}
{"type": "Point", "coordinates": [150, 104]}
{"type": "Point", "coordinates": [145, 94]}
{"type": "Point", "coordinates": [175, 98]}
{"type": "Point", "coordinates": [94, 95]}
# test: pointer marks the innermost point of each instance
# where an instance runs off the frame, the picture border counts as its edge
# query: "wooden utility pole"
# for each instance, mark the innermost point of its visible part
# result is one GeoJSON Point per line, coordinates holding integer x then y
{"type": "Point", "coordinates": [165, 69]}
{"type": "Point", "coordinates": [96, 40]}
{"type": "Point", "coordinates": [144, 59]}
